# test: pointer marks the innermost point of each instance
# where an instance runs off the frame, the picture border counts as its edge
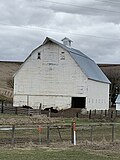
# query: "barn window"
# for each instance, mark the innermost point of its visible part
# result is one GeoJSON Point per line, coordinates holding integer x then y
{"type": "Point", "coordinates": [39, 55]}
{"type": "Point", "coordinates": [62, 56]}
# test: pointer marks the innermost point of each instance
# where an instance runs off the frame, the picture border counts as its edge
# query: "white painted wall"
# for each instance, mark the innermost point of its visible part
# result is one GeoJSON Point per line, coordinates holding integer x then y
{"type": "Point", "coordinates": [98, 95]}
{"type": "Point", "coordinates": [53, 79]}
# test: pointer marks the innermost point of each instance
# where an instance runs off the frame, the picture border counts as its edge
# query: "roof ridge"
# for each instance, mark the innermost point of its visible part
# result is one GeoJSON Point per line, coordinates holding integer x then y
{"type": "Point", "coordinates": [88, 66]}
{"type": "Point", "coordinates": [67, 48]}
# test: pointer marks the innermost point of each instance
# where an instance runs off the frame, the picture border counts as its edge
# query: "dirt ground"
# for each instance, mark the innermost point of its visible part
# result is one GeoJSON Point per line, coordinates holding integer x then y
{"type": "Point", "coordinates": [25, 120]}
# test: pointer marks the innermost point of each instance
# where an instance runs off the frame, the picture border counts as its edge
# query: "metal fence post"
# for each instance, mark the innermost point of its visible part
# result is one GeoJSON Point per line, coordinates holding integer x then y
{"type": "Point", "coordinates": [73, 134]}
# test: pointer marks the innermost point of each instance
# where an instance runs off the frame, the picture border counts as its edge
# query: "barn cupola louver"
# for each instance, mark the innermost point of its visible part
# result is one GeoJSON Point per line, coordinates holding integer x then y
{"type": "Point", "coordinates": [67, 42]}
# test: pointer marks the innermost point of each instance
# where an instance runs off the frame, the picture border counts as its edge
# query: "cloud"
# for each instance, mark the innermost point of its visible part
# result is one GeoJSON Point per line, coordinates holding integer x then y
{"type": "Point", "coordinates": [25, 23]}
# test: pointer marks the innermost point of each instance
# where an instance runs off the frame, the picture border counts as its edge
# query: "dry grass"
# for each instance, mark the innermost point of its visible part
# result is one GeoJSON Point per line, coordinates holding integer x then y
{"type": "Point", "coordinates": [7, 70]}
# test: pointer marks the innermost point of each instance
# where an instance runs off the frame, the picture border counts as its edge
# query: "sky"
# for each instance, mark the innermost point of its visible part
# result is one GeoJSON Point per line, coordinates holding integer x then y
{"type": "Point", "coordinates": [92, 25]}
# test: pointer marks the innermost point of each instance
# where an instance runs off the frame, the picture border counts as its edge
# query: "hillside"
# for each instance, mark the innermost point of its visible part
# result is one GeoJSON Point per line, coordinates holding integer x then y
{"type": "Point", "coordinates": [7, 70]}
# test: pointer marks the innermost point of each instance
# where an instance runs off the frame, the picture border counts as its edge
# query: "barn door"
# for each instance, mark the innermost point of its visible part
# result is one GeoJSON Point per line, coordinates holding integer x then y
{"type": "Point", "coordinates": [78, 102]}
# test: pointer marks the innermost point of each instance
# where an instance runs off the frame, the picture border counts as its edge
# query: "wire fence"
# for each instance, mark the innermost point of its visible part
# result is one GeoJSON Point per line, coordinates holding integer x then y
{"type": "Point", "coordinates": [110, 114]}
{"type": "Point", "coordinates": [47, 134]}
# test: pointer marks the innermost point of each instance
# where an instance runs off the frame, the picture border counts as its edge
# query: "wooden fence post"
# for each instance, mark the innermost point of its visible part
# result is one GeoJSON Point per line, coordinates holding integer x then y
{"type": "Point", "coordinates": [62, 113]}
{"type": "Point", "coordinates": [59, 133]}
{"type": "Point", "coordinates": [91, 133]}
{"type": "Point", "coordinates": [90, 114]}
{"type": "Point", "coordinates": [105, 113]}
{"type": "Point", "coordinates": [111, 114]}
{"type": "Point", "coordinates": [49, 113]}
{"type": "Point", "coordinates": [101, 114]}
{"type": "Point", "coordinates": [116, 113]}
{"type": "Point", "coordinates": [40, 131]}
{"type": "Point", "coordinates": [48, 135]}
{"type": "Point", "coordinates": [28, 112]}
{"type": "Point", "coordinates": [72, 135]}
{"type": "Point", "coordinates": [95, 112]}
{"type": "Point", "coordinates": [16, 110]}
{"type": "Point", "coordinates": [2, 108]}
{"type": "Point", "coordinates": [113, 132]}
{"type": "Point", "coordinates": [13, 134]}
{"type": "Point", "coordinates": [40, 108]}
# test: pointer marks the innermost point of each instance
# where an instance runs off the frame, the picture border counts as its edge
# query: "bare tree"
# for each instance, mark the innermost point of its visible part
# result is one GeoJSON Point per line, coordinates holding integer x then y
{"type": "Point", "coordinates": [113, 74]}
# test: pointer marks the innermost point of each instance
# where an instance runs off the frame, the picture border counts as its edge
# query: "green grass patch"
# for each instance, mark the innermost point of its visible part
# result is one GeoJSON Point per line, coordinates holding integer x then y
{"type": "Point", "coordinates": [51, 154]}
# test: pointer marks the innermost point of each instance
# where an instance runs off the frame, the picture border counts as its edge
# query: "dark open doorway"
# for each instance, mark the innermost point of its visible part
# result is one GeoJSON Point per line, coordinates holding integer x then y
{"type": "Point", "coordinates": [78, 102]}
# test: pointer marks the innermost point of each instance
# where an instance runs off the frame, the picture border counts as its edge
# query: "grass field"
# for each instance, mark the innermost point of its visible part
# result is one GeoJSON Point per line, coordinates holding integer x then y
{"type": "Point", "coordinates": [29, 147]}
{"type": "Point", "coordinates": [53, 154]}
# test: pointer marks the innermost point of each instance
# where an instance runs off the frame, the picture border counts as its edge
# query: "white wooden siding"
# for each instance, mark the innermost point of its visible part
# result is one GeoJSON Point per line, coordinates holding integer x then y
{"type": "Point", "coordinates": [53, 79]}
{"type": "Point", "coordinates": [98, 95]}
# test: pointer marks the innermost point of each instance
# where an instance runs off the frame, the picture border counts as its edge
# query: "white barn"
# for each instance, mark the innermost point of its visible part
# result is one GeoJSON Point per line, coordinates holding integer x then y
{"type": "Point", "coordinates": [61, 77]}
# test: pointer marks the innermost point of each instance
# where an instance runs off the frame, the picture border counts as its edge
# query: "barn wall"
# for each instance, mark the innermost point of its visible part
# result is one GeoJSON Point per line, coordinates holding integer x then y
{"type": "Point", "coordinates": [98, 95]}
{"type": "Point", "coordinates": [20, 100]}
{"type": "Point", "coordinates": [117, 106]}
{"type": "Point", "coordinates": [52, 79]}
{"type": "Point", "coordinates": [57, 102]}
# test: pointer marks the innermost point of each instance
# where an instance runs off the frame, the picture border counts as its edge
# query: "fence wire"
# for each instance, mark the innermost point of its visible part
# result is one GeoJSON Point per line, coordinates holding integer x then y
{"type": "Point", "coordinates": [46, 134]}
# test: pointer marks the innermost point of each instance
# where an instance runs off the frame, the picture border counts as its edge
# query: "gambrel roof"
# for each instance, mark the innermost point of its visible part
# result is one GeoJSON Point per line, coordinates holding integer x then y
{"type": "Point", "coordinates": [87, 65]}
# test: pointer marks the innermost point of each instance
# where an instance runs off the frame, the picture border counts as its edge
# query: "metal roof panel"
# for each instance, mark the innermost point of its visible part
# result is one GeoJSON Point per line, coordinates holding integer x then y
{"type": "Point", "coordinates": [87, 65]}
